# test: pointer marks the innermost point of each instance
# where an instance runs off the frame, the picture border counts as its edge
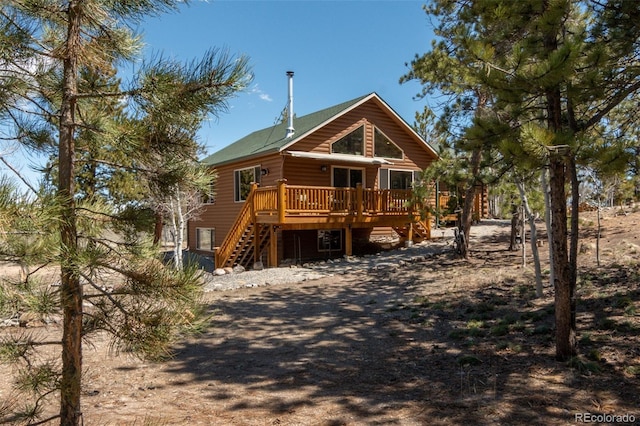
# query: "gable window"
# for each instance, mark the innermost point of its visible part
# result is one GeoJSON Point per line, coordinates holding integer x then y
{"type": "Point", "coordinates": [384, 147]}
{"type": "Point", "coordinates": [353, 143]}
{"type": "Point", "coordinates": [205, 238]}
{"type": "Point", "coordinates": [243, 179]}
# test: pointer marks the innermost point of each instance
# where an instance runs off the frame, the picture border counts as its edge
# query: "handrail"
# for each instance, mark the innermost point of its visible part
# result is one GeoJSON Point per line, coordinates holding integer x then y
{"type": "Point", "coordinates": [297, 200]}
{"type": "Point", "coordinates": [325, 200]}
{"type": "Point", "coordinates": [243, 220]}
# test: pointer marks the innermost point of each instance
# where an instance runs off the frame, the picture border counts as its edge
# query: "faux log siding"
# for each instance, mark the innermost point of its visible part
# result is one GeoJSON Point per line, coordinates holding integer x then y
{"type": "Point", "coordinates": [416, 156]}
{"type": "Point", "coordinates": [302, 171]}
{"type": "Point", "coordinates": [222, 214]}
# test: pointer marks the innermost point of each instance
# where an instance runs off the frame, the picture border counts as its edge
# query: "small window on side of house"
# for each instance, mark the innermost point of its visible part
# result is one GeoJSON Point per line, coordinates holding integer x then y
{"type": "Point", "coordinates": [243, 178]}
{"type": "Point", "coordinates": [329, 240]}
{"type": "Point", "coordinates": [205, 239]}
{"type": "Point", "coordinates": [209, 197]}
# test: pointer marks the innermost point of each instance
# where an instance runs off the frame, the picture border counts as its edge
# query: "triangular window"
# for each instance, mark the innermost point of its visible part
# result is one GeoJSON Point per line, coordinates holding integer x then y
{"type": "Point", "coordinates": [353, 143]}
{"type": "Point", "coordinates": [384, 147]}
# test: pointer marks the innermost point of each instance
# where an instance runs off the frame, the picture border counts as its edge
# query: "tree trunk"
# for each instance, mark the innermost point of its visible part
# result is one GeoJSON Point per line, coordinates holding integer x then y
{"type": "Point", "coordinates": [513, 245]}
{"type": "Point", "coordinates": [174, 228]}
{"type": "Point", "coordinates": [565, 332]}
{"type": "Point", "coordinates": [573, 247]}
{"type": "Point", "coordinates": [179, 237]}
{"type": "Point", "coordinates": [70, 288]}
{"type": "Point", "coordinates": [598, 235]}
{"type": "Point", "coordinates": [534, 238]}
{"type": "Point", "coordinates": [157, 232]}
{"type": "Point", "coordinates": [547, 220]}
{"type": "Point", "coordinates": [469, 198]}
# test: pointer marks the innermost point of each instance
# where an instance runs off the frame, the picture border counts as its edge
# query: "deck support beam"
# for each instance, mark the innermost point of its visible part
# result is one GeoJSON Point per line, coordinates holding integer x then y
{"type": "Point", "coordinates": [273, 247]}
{"type": "Point", "coordinates": [348, 241]}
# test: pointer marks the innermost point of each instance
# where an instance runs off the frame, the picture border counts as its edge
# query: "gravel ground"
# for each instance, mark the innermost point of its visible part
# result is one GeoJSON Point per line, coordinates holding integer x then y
{"type": "Point", "coordinates": [384, 261]}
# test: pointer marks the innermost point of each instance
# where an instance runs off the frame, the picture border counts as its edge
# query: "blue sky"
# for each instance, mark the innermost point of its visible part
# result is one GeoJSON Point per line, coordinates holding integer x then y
{"type": "Point", "coordinates": [339, 50]}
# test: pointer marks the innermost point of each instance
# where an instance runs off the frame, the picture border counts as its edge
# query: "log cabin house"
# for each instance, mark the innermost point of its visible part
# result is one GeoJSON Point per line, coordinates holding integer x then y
{"type": "Point", "coordinates": [313, 186]}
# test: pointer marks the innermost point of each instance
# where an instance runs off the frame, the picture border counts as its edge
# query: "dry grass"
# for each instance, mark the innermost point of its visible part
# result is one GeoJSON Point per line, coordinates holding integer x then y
{"type": "Point", "coordinates": [441, 342]}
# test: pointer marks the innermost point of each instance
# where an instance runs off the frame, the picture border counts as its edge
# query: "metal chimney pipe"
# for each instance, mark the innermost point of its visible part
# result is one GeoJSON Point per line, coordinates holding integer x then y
{"type": "Point", "coordinates": [290, 129]}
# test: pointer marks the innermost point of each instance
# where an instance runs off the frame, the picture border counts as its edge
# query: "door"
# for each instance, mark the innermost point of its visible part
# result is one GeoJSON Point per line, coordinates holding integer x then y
{"type": "Point", "coordinates": [346, 178]}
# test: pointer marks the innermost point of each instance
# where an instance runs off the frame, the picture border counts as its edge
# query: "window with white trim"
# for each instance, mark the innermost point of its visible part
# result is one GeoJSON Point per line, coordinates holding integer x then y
{"type": "Point", "coordinates": [396, 179]}
{"type": "Point", "coordinates": [353, 143]}
{"type": "Point", "coordinates": [205, 239]}
{"type": "Point", "coordinates": [242, 180]}
{"type": "Point", "coordinates": [384, 147]}
{"type": "Point", "coordinates": [346, 177]}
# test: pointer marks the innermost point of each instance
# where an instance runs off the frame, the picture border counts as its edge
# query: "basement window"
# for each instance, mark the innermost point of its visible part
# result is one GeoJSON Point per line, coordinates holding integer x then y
{"type": "Point", "coordinates": [205, 238]}
{"type": "Point", "coordinates": [353, 143]}
{"type": "Point", "coordinates": [330, 240]}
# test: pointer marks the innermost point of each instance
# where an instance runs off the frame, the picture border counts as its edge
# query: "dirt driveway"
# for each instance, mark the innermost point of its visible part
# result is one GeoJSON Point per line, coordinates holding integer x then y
{"type": "Point", "coordinates": [443, 341]}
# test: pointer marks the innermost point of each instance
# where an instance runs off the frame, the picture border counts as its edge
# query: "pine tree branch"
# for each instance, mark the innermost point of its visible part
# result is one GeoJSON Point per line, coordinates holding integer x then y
{"type": "Point", "coordinates": [613, 102]}
{"type": "Point", "coordinates": [17, 173]}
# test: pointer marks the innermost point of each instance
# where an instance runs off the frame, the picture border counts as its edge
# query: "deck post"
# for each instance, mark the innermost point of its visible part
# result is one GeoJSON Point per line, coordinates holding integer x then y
{"type": "Point", "coordinates": [282, 199]}
{"type": "Point", "coordinates": [348, 241]}
{"type": "Point", "coordinates": [273, 247]}
{"type": "Point", "coordinates": [359, 200]}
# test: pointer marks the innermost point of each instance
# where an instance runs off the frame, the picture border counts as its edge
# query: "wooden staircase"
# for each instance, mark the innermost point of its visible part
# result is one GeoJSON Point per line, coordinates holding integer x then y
{"type": "Point", "coordinates": [240, 245]}
{"type": "Point", "coordinates": [420, 229]}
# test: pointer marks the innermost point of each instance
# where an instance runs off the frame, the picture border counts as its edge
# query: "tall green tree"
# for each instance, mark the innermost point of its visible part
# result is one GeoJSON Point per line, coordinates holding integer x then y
{"type": "Point", "coordinates": [54, 56]}
{"type": "Point", "coordinates": [444, 71]}
{"type": "Point", "coordinates": [556, 68]}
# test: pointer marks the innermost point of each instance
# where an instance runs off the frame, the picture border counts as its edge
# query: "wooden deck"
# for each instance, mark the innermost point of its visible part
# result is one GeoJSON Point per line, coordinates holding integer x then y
{"type": "Point", "coordinates": [289, 207]}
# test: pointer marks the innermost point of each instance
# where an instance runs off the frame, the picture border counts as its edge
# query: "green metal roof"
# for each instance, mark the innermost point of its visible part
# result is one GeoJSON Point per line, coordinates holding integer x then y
{"type": "Point", "coordinates": [273, 138]}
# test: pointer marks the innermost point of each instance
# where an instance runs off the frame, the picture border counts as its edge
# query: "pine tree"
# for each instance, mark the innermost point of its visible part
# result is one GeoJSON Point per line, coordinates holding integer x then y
{"type": "Point", "coordinates": [58, 93]}
{"type": "Point", "coordinates": [554, 69]}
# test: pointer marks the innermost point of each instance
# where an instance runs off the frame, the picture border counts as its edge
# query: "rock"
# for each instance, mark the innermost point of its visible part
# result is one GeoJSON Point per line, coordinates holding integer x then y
{"type": "Point", "coordinates": [238, 269]}
{"type": "Point", "coordinates": [388, 267]}
{"type": "Point", "coordinates": [587, 247]}
{"type": "Point", "coordinates": [228, 270]}
{"type": "Point", "coordinates": [30, 319]}
{"type": "Point", "coordinates": [10, 323]}
{"type": "Point", "coordinates": [219, 271]}
{"type": "Point", "coordinates": [258, 266]}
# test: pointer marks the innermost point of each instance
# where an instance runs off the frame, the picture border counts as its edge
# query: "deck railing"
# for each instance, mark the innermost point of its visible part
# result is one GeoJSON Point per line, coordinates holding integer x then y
{"type": "Point", "coordinates": [286, 200]}
{"type": "Point", "coordinates": [284, 204]}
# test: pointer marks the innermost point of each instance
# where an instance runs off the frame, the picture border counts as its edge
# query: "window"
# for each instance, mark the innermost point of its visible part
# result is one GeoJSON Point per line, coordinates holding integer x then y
{"type": "Point", "coordinates": [353, 143]}
{"type": "Point", "coordinates": [383, 146]}
{"type": "Point", "coordinates": [242, 181]}
{"type": "Point", "coordinates": [330, 240]}
{"type": "Point", "coordinates": [346, 178]}
{"type": "Point", "coordinates": [205, 238]}
{"type": "Point", "coordinates": [209, 197]}
{"type": "Point", "coordinates": [400, 179]}
{"type": "Point", "coordinates": [396, 179]}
